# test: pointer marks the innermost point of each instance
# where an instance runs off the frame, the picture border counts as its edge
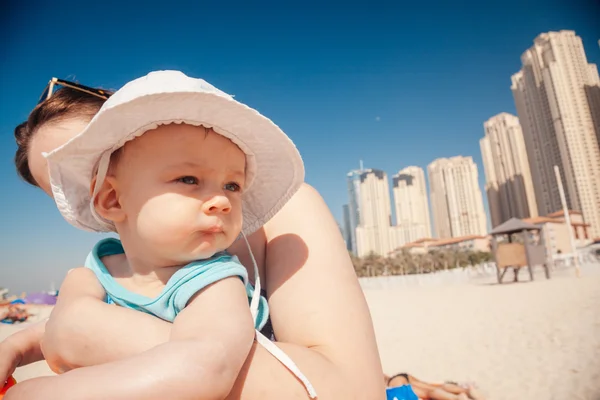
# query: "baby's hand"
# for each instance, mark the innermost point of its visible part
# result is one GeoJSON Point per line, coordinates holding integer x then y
{"type": "Point", "coordinates": [7, 385]}
{"type": "Point", "coordinates": [21, 348]}
{"type": "Point", "coordinates": [32, 389]}
{"type": "Point", "coordinates": [10, 358]}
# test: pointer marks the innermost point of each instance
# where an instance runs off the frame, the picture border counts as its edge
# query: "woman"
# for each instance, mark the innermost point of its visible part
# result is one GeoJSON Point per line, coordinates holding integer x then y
{"type": "Point", "coordinates": [326, 329]}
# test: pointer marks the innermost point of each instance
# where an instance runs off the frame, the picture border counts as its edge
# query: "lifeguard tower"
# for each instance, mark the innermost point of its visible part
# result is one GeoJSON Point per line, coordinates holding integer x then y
{"type": "Point", "coordinates": [517, 244]}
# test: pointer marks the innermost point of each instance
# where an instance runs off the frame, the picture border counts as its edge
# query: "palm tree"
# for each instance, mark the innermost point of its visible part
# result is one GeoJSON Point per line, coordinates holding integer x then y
{"type": "Point", "coordinates": [461, 258]}
{"type": "Point", "coordinates": [404, 262]}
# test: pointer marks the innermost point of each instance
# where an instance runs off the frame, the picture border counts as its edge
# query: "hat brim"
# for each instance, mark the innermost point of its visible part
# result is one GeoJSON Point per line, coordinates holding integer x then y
{"type": "Point", "coordinates": [274, 167]}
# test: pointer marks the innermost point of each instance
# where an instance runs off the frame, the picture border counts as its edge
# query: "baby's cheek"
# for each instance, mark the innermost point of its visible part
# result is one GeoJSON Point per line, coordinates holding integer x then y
{"type": "Point", "coordinates": [164, 221]}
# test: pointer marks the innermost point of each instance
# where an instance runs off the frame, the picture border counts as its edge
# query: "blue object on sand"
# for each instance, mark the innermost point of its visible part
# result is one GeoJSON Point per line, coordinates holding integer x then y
{"type": "Point", "coordinates": [403, 392]}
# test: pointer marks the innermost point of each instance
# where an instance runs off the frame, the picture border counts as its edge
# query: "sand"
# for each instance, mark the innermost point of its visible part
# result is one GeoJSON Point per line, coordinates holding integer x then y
{"type": "Point", "coordinates": [531, 340]}
{"type": "Point", "coordinates": [36, 369]}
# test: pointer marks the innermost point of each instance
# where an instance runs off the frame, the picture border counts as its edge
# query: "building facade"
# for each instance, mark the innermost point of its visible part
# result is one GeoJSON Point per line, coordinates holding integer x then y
{"type": "Point", "coordinates": [456, 200]}
{"type": "Point", "coordinates": [558, 129]}
{"type": "Point", "coordinates": [508, 185]}
{"type": "Point", "coordinates": [353, 180]}
{"type": "Point", "coordinates": [411, 206]}
{"type": "Point", "coordinates": [346, 230]}
{"type": "Point", "coordinates": [373, 232]}
{"type": "Point", "coordinates": [593, 97]}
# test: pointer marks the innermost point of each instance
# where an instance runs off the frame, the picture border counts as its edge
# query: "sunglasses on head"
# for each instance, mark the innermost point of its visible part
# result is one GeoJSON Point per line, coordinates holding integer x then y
{"type": "Point", "coordinates": [54, 82]}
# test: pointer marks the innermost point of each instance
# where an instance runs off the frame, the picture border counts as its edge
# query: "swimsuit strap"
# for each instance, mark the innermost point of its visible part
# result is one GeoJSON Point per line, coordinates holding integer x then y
{"type": "Point", "coordinates": [287, 362]}
{"type": "Point", "coordinates": [266, 343]}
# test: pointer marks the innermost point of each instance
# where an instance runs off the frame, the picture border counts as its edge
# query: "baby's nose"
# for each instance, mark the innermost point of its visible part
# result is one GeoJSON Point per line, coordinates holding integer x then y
{"type": "Point", "coordinates": [218, 204]}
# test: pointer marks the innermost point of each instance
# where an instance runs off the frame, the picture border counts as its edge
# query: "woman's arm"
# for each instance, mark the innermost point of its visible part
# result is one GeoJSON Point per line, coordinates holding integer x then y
{"type": "Point", "coordinates": [315, 299]}
{"type": "Point", "coordinates": [317, 308]}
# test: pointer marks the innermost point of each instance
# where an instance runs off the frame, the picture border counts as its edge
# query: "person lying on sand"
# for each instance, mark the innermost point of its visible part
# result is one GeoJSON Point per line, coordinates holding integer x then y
{"type": "Point", "coordinates": [433, 391]}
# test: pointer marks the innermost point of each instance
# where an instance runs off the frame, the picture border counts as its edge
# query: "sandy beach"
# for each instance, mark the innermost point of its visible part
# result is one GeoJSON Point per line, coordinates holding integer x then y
{"type": "Point", "coordinates": [37, 369]}
{"type": "Point", "coordinates": [531, 340]}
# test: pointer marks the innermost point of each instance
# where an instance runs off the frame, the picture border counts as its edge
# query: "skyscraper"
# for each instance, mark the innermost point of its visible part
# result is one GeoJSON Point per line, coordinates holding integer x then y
{"type": "Point", "coordinates": [508, 179]}
{"type": "Point", "coordinates": [553, 109]}
{"type": "Point", "coordinates": [456, 199]}
{"type": "Point", "coordinates": [373, 230]}
{"type": "Point", "coordinates": [412, 208]}
{"type": "Point", "coordinates": [346, 230]}
{"type": "Point", "coordinates": [593, 97]}
{"type": "Point", "coordinates": [353, 179]}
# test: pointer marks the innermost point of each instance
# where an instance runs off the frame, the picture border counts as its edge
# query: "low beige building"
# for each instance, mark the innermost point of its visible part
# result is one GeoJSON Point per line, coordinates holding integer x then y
{"type": "Point", "coordinates": [556, 231]}
{"type": "Point", "coordinates": [556, 234]}
{"type": "Point", "coordinates": [464, 243]}
{"type": "Point", "coordinates": [417, 247]}
{"type": "Point", "coordinates": [581, 230]}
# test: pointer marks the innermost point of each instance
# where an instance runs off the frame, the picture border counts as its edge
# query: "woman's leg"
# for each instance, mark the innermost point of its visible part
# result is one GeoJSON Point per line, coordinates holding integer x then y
{"type": "Point", "coordinates": [428, 391]}
{"type": "Point", "coordinates": [448, 387]}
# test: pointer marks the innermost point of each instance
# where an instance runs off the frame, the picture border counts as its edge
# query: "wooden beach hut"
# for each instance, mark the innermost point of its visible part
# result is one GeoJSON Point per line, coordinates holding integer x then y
{"type": "Point", "coordinates": [517, 244]}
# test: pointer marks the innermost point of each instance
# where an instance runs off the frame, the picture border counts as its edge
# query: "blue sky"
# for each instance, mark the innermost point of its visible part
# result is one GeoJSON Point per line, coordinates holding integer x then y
{"type": "Point", "coordinates": [391, 83]}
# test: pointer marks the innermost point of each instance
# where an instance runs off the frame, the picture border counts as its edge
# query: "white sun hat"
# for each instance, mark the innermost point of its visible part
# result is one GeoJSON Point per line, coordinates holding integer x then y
{"type": "Point", "coordinates": [274, 168]}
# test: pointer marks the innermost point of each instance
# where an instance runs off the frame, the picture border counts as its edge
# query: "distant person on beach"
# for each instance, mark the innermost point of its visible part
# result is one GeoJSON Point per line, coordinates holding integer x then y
{"type": "Point", "coordinates": [432, 391]}
{"type": "Point", "coordinates": [299, 251]}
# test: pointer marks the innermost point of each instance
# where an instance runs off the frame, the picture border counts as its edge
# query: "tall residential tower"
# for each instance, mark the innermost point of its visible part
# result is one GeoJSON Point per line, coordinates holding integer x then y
{"type": "Point", "coordinates": [508, 180]}
{"type": "Point", "coordinates": [558, 129]}
{"type": "Point", "coordinates": [411, 206]}
{"type": "Point", "coordinates": [373, 231]}
{"type": "Point", "coordinates": [456, 199]}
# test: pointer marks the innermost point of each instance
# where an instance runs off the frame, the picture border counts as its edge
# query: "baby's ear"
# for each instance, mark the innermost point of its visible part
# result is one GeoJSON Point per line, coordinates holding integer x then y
{"type": "Point", "coordinates": [107, 200]}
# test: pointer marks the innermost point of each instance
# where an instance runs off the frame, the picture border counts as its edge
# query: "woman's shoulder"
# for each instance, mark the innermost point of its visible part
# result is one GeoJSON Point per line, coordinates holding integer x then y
{"type": "Point", "coordinates": [303, 201]}
{"type": "Point", "coordinates": [316, 299]}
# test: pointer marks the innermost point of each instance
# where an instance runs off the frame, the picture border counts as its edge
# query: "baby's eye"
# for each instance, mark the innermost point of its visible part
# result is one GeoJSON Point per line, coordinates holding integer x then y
{"type": "Point", "coordinates": [232, 187]}
{"type": "Point", "coordinates": [188, 180]}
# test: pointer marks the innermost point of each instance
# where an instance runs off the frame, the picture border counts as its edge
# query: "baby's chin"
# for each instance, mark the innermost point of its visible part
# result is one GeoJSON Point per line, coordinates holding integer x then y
{"type": "Point", "coordinates": [200, 253]}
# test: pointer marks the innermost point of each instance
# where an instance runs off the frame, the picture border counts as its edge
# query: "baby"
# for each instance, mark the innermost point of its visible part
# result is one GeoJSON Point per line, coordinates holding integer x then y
{"type": "Point", "coordinates": [180, 170]}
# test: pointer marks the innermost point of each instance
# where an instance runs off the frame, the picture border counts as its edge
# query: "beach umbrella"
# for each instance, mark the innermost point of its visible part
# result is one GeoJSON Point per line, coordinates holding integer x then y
{"type": "Point", "coordinates": [40, 298]}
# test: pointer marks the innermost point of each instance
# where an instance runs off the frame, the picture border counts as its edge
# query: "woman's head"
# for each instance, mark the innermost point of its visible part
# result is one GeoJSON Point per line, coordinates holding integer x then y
{"type": "Point", "coordinates": [52, 123]}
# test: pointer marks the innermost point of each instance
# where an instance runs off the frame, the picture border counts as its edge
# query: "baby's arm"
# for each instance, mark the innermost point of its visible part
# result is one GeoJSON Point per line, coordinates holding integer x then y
{"type": "Point", "coordinates": [209, 343]}
{"type": "Point", "coordinates": [80, 284]}
{"type": "Point", "coordinates": [26, 346]}
{"type": "Point", "coordinates": [218, 324]}
{"type": "Point", "coordinates": [84, 330]}
{"type": "Point", "coordinates": [21, 348]}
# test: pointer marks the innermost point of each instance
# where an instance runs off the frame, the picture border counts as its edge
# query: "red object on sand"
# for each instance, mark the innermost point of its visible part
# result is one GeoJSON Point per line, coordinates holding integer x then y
{"type": "Point", "coordinates": [7, 385]}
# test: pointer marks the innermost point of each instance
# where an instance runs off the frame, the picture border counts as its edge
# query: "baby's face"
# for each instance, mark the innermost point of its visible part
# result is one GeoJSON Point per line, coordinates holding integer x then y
{"type": "Point", "coordinates": [180, 188]}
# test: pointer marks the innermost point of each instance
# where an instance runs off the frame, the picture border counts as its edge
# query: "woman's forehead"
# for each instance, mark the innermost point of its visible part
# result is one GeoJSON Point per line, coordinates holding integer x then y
{"type": "Point", "coordinates": [53, 135]}
{"type": "Point", "coordinates": [47, 138]}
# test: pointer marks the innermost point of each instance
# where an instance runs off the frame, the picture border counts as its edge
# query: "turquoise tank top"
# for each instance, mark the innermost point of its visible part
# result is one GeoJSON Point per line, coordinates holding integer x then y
{"type": "Point", "coordinates": [180, 288]}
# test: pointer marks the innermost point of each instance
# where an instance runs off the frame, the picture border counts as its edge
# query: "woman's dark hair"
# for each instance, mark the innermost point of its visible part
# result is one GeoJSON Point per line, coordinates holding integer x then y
{"type": "Point", "coordinates": [64, 104]}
